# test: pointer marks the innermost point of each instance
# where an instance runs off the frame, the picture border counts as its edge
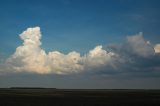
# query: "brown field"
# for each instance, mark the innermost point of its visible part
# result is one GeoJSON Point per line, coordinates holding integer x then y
{"type": "Point", "coordinates": [78, 97]}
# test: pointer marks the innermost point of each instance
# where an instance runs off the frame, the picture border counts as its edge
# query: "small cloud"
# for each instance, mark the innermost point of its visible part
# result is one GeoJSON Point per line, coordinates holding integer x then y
{"type": "Point", "coordinates": [157, 48]}
{"type": "Point", "coordinates": [139, 46]}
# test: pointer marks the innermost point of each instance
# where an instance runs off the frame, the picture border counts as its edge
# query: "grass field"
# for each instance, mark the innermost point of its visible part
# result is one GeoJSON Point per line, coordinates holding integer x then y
{"type": "Point", "coordinates": [77, 97]}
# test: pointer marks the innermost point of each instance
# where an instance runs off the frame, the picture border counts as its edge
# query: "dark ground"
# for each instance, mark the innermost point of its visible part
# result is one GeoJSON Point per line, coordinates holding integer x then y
{"type": "Point", "coordinates": [72, 97]}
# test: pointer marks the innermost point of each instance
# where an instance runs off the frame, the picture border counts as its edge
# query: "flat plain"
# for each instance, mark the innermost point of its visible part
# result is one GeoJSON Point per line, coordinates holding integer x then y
{"type": "Point", "coordinates": [78, 97]}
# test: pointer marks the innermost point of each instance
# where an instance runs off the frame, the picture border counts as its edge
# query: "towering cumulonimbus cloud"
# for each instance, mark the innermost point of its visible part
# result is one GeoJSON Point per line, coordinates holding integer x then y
{"type": "Point", "coordinates": [30, 57]}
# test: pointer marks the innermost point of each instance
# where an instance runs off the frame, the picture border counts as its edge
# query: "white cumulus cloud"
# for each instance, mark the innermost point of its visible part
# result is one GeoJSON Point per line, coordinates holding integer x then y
{"type": "Point", "coordinates": [135, 54]}
{"type": "Point", "coordinates": [157, 48]}
{"type": "Point", "coordinates": [30, 57]}
{"type": "Point", "coordinates": [138, 45]}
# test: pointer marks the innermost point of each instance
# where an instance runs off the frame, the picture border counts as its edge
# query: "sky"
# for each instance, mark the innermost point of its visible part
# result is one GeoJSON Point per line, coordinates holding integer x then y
{"type": "Point", "coordinates": [95, 44]}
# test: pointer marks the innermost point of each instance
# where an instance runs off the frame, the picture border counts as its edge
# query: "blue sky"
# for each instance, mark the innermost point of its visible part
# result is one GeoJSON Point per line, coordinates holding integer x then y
{"type": "Point", "coordinates": [81, 25]}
